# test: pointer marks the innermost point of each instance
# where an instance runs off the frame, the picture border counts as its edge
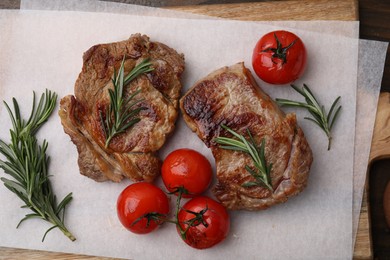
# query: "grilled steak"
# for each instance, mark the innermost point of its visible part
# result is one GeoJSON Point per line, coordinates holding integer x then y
{"type": "Point", "coordinates": [231, 97]}
{"type": "Point", "coordinates": [130, 154]}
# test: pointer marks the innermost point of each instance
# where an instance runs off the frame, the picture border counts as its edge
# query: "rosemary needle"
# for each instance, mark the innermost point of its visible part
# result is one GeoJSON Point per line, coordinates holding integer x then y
{"type": "Point", "coordinates": [263, 173]}
{"type": "Point", "coordinates": [27, 163]}
{"type": "Point", "coordinates": [121, 114]}
{"type": "Point", "coordinates": [319, 116]}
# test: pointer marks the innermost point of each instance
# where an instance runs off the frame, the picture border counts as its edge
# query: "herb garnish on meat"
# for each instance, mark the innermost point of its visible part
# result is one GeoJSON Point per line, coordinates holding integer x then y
{"type": "Point", "coordinates": [27, 163]}
{"type": "Point", "coordinates": [121, 113]}
{"type": "Point", "coordinates": [324, 120]}
{"type": "Point", "coordinates": [262, 174]}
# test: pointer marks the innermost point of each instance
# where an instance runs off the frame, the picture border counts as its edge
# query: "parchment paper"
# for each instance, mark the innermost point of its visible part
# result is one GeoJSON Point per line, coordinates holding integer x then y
{"type": "Point", "coordinates": [44, 50]}
{"type": "Point", "coordinates": [369, 77]}
{"type": "Point", "coordinates": [371, 63]}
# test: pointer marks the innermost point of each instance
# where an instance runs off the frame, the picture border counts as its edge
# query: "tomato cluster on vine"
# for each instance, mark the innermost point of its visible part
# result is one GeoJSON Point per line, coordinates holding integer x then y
{"type": "Point", "coordinates": [201, 222]}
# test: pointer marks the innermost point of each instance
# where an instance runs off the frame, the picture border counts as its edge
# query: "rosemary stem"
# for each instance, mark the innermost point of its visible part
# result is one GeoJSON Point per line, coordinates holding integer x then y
{"type": "Point", "coordinates": [52, 218]}
{"type": "Point", "coordinates": [68, 234]}
{"type": "Point", "coordinates": [36, 209]}
{"type": "Point", "coordinates": [108, 140]}
{"type": "Point", "coordinates": [329, 141]}
{"type": "Point", "coordinates": [57, 222]}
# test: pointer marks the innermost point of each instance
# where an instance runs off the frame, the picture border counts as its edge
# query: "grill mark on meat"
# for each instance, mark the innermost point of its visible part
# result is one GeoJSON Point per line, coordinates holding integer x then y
{"type": "Point", "coordinates": [157, 78]}
{"type": "Point", "coordinates": [203, 108]}
{"type": "Point", "coordinates": [230, 96]}
{"type": "Point", "coordinates": [131, 154]}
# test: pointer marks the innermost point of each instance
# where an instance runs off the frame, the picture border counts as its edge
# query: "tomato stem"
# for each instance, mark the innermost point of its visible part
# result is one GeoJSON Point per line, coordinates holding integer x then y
{"type": "Point", "coordinates": [161, 218]}
{"type": "Point", "coordinates": [279, 52]}
{"type": "Point", "coordinates": [196, 220]}
{"type": "Point", "coordinates": [158, 218]}
{"type": "Point", "coordinates": [180, 191]}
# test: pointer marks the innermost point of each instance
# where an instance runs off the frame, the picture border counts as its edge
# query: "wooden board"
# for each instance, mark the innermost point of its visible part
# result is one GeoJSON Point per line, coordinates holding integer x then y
{"type": "Point", "coordinates": [280, 10]}
{"type": "Point", "coordinates": [342, 10]}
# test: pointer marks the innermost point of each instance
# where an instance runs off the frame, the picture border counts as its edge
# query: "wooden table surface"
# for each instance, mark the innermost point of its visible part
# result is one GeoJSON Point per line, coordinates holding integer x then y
{"type": "Point", "coordinates": [374, 19]}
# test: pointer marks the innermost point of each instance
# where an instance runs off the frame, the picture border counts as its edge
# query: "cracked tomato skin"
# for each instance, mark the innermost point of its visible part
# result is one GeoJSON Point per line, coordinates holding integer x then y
{"type": "Point", "coordinates": [186, 168]}
{"type": "Point", "coordinates": [139, 199]}
{"type": "Point", "coordinates": [281, 65]}
{"type": "Point", "coordinates": [216, 217]}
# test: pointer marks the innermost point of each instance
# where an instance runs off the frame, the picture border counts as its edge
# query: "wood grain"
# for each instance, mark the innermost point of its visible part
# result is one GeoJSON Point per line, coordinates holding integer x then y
{"type": "Point", "coordinates": [380, 146]}
{"type": "Point", "coordinates": [346, 10]}
{"type": "Point", "coordinates": [363, 244]}
{"type": "Point", "coordinates": [277, 10]}
{"type": "Point", "coordinates": [380, 149]}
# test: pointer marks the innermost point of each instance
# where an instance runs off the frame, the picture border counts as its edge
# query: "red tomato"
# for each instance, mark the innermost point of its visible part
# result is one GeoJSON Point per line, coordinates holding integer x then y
{"type": "Point", "coordinates": [211, 222]}
{"type": "Point", "coordinates": [140, 205]}
{"type": "Point", "coordinates": [279, 57]}
{"type": "Point", "coordinates": [186, 168]}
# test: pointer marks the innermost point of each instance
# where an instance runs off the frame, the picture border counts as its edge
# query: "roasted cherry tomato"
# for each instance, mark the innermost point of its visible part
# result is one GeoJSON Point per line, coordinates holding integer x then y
{"type": "Point", "coordinates": [188, 169]}
{"type": "Point", "coordinates": [279, 57]}
{"type": "Point", "coordinates": [141, 206]}
{"type": "Point", "coordinates": [203, 222]}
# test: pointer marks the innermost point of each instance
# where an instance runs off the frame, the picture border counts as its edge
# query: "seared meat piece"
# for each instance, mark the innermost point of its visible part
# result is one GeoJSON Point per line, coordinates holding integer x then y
{"type": "Point", "coordinates": [231, 97]}
{"type": "Point", "coordinates": [130, 154]}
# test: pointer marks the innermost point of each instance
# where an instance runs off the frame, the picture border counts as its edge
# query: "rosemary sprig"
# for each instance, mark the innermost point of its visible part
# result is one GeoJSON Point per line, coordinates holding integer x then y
{"type": "Point", "coordinates": [263, 173]}
{"type": "Point", "coordinates": [27, 163]}
{"type": "Point", "coordinates": [121, 114]}
{"type": "Point", "coordinates": [324, 120]}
